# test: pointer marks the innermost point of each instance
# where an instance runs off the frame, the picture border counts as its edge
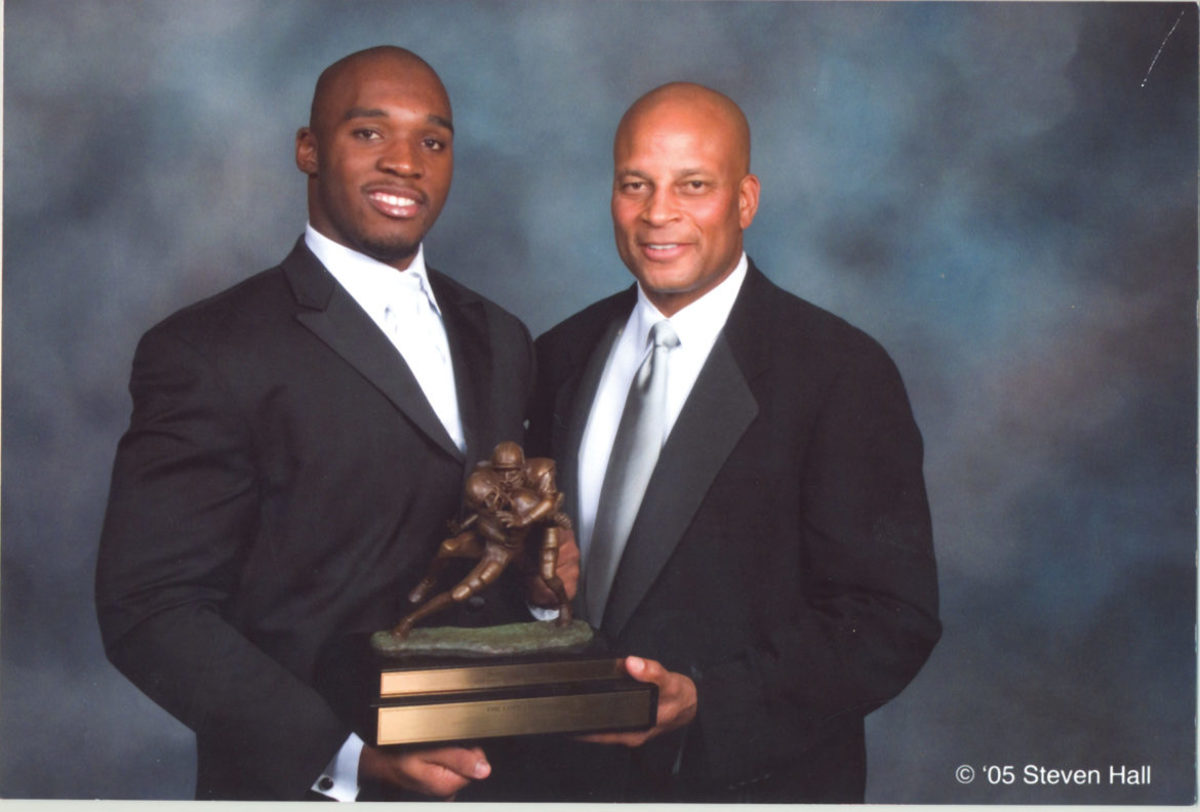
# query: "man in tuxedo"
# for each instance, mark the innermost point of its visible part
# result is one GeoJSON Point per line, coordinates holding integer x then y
{"type": "Point", "coordinates": [771, 566]}
{"type": "Point", "coordinates": [296, 447]}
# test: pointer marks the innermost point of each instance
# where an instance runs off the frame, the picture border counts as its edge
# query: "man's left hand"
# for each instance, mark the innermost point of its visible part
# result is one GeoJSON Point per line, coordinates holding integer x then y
{"type": "Point", "coordinates": [676, 703]}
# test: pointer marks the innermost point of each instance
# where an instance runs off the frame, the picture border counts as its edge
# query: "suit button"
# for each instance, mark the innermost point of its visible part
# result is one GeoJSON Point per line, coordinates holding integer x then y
{"type": "Point", "coordinates": [325, 784]}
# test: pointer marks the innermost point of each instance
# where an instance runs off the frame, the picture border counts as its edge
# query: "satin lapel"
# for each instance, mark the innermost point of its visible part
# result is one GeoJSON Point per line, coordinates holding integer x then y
{"type": "Point", "coordinates": [333, 316]}
{"type": "Point", "coordinates": [466, 330]}
{"type": "Point", "coordinates": [717, 413]}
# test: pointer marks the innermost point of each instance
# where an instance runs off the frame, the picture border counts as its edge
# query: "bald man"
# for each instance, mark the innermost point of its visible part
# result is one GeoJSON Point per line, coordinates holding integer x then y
{"type": "Point", "coordinates": [296, 446]}
{"type": "Point", "coordinates": [775, 575]}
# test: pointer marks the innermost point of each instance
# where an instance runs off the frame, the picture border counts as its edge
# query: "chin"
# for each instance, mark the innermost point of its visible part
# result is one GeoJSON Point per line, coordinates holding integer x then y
{"type": "Point", "coordinates": [667, 285]}
{"type": "Point", "coordinates": [390, 250]}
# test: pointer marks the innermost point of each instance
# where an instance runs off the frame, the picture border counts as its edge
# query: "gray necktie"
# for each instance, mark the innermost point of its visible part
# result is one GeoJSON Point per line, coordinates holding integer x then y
{"type": "Point", "coordinates": [640, 436]}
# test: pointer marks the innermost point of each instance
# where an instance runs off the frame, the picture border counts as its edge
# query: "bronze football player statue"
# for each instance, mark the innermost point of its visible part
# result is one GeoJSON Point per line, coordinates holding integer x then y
{"type": "Point", "coordinates": [507, 497]}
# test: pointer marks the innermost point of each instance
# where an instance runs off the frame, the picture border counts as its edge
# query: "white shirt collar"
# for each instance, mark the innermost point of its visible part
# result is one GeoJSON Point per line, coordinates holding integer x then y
{"type": "Point", "coordinates": [361, 274]}
{"type": "Point", "coordinates": [699, 322]}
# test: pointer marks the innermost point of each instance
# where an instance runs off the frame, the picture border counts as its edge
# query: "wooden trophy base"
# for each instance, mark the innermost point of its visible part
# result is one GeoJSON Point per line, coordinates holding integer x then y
{"type": "Point", "coordinates": [431, 692]}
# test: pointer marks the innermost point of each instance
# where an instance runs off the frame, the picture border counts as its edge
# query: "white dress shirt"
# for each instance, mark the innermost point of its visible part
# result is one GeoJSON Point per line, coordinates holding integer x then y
{"type": "Point", "coordinates": [697, 326]}
{"type": "Point", "coordinates": [402, 304]}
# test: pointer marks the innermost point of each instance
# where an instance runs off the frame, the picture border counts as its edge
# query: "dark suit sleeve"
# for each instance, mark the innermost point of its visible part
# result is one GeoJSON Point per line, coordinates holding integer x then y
{"type": "Point", "coordinates": [864, 618]}
{"type": "Point", "coordinates": [182, 511]}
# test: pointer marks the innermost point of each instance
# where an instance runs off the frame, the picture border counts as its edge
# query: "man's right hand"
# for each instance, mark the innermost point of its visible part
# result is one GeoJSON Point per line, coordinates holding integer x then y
{"type": "Point", "coordinates": [439, 772]}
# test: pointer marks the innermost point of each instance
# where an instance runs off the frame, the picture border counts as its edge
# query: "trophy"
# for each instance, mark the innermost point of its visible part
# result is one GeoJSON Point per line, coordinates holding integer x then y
{"type": "Point", "coordinates": [450, 683]}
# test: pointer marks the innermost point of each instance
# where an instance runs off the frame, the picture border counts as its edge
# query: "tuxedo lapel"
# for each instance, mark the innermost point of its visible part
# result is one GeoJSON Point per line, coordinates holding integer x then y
{"type": "Point", "coordinates": [716, 414]}
{"type": "Point", "coordinates": [333, 316]}
{"type": "Point", "coordinates": [466, 330]}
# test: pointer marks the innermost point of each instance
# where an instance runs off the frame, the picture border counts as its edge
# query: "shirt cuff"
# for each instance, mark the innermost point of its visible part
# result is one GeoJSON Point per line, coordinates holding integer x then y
{"type": "Point", "coordinates": [339, 781]}
{"type": "Point", "coordinates": [543, 613]}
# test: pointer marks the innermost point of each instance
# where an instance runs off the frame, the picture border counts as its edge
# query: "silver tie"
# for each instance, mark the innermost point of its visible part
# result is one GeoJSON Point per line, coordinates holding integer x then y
{"type": "Point", "coordinates": [640, 436]}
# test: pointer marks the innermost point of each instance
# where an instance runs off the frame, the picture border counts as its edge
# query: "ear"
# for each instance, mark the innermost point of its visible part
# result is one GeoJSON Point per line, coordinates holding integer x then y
{"type": "Point", "coordinates": [306, 151]}
{"type": "Point", "coordinates": [747, 200]}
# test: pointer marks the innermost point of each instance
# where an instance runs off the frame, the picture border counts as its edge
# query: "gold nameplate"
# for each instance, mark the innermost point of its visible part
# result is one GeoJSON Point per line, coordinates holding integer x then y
{"type": "Point", "coordinates": [427, 698]}
{"type": "Point", "coordinates": [579, 708]}
{"type": "Point", "coordinates": [409, 681]}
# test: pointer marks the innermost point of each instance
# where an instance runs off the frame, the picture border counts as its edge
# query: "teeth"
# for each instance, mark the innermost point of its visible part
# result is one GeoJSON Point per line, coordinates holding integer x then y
{"type": "Point", "coordinates": [394, 200]}
{"type": "Point", "coordinates": [662, 246]}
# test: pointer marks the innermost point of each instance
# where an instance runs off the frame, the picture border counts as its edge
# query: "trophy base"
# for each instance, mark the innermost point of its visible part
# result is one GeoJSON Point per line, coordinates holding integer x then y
{"type": "Point", "coordinates": [424, 695]}
{"type": "Point", "coordinates": [508, 640]}
{"type": "Point", "coordinates": [451, 701]}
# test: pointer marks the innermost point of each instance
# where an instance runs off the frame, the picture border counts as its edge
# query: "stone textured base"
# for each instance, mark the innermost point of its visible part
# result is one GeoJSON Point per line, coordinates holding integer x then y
{"type": "Point", "coordinates": [512, 639]}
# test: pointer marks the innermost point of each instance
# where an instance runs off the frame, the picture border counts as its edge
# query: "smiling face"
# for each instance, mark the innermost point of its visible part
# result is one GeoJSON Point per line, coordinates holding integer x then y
{"type": "Point", "coordinates": [378, 153]}
{"type": "Point", "coordinates": [682, 192]}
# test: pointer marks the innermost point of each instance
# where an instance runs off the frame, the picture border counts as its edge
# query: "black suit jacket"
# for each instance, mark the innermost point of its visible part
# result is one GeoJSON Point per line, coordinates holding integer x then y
{"type": "Point", "coordinates": [782, 556]}
{"type": "Point", "coordinates": [283, 481]}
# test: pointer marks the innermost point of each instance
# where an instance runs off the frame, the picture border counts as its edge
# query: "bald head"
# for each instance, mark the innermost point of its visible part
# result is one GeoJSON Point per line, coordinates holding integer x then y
{"type": "Point", "coordinates": [682, 192]}
{"type": "Point", "coordinates": [350, 69]}
{"type": "Point", "coordinates": [718, 114]}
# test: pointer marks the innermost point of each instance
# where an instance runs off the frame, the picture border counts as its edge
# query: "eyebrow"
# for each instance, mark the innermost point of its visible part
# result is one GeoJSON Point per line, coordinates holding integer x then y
{"type": "Point", "coordinates": [682, 173]}
{"type": "Point", "coordinates": [375, 112]}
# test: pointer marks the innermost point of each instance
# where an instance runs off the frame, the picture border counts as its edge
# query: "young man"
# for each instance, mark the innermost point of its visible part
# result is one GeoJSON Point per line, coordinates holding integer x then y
{"type": "Point", "coordinates": [296, 446]}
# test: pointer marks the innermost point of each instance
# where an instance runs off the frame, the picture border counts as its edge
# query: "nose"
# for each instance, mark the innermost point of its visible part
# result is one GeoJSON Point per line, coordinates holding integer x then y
{"type": "Point", "coordinates": [400, 158]}
{"type": "Point", "coordinates": [660, 207]}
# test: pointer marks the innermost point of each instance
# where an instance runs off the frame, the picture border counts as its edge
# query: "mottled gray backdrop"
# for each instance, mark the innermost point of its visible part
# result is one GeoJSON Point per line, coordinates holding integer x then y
{"type": "Point", "coordinates": [1003, 194]}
